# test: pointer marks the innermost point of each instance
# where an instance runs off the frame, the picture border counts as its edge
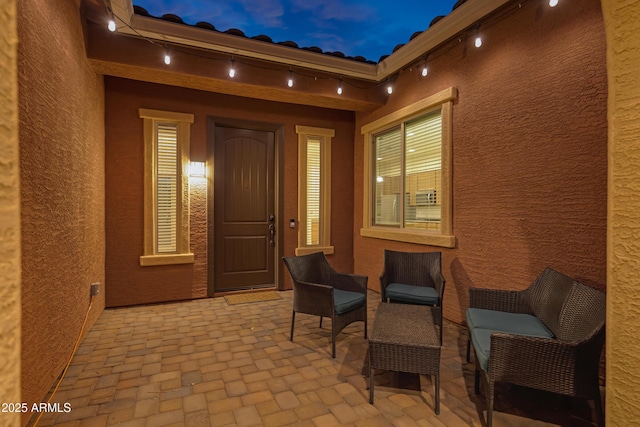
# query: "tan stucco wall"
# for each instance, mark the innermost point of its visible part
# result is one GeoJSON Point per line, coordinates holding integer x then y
{"type": "Point", "coordinates": [61, 107]}
{"type": "Point", "coordinates": [623, 243]}
{"type": "Point", "coordinates": [529, 152]}
{"type": "Point", "coordinates": [9, 215]}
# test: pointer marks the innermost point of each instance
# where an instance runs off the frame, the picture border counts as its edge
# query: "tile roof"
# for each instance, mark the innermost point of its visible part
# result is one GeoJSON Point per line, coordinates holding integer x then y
{"type": "Point", "coordinates": [264, 38]}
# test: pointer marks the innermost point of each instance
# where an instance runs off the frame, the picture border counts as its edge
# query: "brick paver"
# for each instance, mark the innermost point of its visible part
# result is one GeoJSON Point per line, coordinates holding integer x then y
{"type": "Point", "coordinates": [204, 363]}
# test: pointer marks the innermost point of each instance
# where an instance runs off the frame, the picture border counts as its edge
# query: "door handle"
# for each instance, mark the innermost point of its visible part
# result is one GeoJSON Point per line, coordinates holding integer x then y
{"type": "Point", "coordinates": [272, 233]}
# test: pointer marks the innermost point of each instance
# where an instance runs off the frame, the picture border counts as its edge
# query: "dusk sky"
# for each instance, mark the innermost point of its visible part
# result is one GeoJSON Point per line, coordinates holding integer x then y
{"type": "Point", "coordinates": [369, 28]}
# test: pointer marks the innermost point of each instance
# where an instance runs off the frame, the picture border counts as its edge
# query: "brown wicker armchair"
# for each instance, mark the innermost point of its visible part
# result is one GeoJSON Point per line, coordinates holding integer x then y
{"type": "Point", "coordinates": [561, 354]}
{"type": "Point", "coordinates": [414, 278]}
{"type": "Point", "coordinates": [319, 290]}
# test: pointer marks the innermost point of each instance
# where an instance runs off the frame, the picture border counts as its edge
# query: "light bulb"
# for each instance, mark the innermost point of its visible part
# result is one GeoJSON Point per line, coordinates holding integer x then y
{"type": "Point", "coordinates": [389, 89]}
{"type": "Point", "coordinates": [232, 70]}
{"type": "Point", "coordinates": [478, 41]}
{"type": "Point", "coordinates": [290, 81]}
{"type": "Point", "coordinates": [425, 71]}
{"type": "Point", "coordinates": [112, 25]}
{"type": "Point", "coordinates": [553, 3]}
{"type": "Point", "coordinates": [339, 90]}
{"type": "Point", "coordinates": [167, 58]}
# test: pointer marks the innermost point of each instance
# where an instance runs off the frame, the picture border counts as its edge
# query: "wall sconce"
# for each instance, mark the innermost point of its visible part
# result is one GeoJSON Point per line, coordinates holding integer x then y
{"type": "Point", "coordinates": [197, 170]}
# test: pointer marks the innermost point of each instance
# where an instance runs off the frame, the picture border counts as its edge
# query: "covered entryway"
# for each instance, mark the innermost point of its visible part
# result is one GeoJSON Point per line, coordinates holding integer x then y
{"type": "Point", "coordinates": [243, 212]}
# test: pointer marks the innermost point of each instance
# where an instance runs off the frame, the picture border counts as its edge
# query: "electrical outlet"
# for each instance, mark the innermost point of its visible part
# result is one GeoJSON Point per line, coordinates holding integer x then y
{"type": "Point", "coordinates": [95, 289]}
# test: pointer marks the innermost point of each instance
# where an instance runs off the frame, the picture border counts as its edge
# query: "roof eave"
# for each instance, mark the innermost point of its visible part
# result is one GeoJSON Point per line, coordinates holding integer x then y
{"type": "Point", "coordinates": [459, 20]}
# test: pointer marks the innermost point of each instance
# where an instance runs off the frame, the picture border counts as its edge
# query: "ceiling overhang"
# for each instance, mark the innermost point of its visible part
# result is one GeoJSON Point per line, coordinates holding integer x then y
{"type": "Point", "coordinates": [459, 20]}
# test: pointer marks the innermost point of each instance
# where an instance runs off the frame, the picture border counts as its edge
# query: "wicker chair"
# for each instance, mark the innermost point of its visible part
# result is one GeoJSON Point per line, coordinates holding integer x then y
{"type": "Point", "coordinates": [414, 278]}
{"type": "Point", "coordinates": [319, 290]}
{"type": "Point", "coordinates": [566, 362]}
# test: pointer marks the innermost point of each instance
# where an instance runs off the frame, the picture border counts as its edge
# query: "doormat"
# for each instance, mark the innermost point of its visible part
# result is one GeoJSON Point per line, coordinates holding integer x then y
{"type": "Point", "coordinates": [251, 297]}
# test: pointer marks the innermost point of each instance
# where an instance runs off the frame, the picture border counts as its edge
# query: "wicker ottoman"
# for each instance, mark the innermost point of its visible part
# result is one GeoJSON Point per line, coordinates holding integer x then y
{"type": "Point", "coordinates": [404, 338]}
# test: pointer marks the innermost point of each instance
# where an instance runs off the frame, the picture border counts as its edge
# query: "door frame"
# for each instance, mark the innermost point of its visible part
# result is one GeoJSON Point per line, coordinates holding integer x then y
{"type": "Point", "coordinates": [278, 131]}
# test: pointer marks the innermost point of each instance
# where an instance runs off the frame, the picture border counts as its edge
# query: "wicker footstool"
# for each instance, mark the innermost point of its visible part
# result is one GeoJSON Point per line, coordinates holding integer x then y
{"type": "Point", "coordinates": [404, 338]}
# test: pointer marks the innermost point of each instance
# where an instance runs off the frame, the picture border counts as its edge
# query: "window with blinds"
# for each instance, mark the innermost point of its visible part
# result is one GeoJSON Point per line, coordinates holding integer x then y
{"type": "Point", "coordinates": [166, 187]}
{"type": "Point", "coordinates": [407, 174]}
{"type": "Point", "coordinates": [166, 190]}
{"type": "Point", "coordinates": [314, 190]}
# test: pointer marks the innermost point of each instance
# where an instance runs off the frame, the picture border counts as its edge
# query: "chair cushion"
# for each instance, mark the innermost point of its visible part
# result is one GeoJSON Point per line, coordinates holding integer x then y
{"type": "Point", "coordinates": [345, 301]}
{"type": "Point", "coordinates": [412, 294]}
{"type": "Point", "coordinates": [512, 323]}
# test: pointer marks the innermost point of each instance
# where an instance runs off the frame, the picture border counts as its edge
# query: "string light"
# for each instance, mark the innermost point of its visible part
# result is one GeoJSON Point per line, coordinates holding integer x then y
{"type": "Point", "coordinates": [290, 81]}
{"type": "Point", "coordinates": [232, 69]}
{"type": "Point", "coordinates": [424, 71]}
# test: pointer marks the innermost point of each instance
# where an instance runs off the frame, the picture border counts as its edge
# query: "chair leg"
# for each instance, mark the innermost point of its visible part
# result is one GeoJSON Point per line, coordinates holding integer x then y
{"type": "Point", "coordinates": [370, 379]}
{"type": "Point", "coordinates": [333, 345]}
{"type": "Point", "coordinates": [320, 322]}
{"type": "Point", "coordinates": [476, 382]}
{"type": "Point", "coordinates": [365, 328]}
{"type": "Point", "coordinates": [490, 391]}
{"type": "Point", "coordinates": [437, 393]}
{"type": "Point", "coordinates": [293, 317]}
{"type": "Point", "coordinates": [599, 412]}
{"type": "Point", "coordinates": [468, 350]}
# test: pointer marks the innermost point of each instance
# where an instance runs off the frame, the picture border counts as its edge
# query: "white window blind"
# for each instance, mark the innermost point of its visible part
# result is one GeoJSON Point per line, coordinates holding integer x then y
{"type": "Point", "coordinates": [388, 172]}
{"type": "Point", "coordinates": [407, 173]}
{"type": "Point", "coordinates": [314, 157]}
{"type": "Point", "coordinates": [167, 169]}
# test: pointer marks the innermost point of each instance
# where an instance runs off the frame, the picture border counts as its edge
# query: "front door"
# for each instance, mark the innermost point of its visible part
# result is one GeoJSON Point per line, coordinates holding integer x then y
{"type": "Point", "coordinates": [243, 209]}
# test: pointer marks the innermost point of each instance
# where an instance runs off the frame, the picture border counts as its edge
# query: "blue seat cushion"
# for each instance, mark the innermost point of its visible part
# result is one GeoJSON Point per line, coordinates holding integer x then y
{"type": "Point", "coordinates": [345, 301]}
{"type": "Point", "coordinates": [512, 323]}
{"type": "Point", "coordinates": [424, 295]}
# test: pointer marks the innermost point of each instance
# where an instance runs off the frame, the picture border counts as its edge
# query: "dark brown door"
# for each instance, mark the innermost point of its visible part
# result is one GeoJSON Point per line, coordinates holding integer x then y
{"type": "Point", "coordinates": [243, 209]}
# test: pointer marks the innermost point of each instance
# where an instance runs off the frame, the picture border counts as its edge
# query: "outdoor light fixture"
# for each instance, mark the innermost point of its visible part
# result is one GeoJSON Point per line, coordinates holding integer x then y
{"type": "Point", "coordinates": [389, 87]}
{"type": "Point", "coordinates": [553, 3]}
{"type": "Point", "coordinates": [112, 25]}
{"type": "Point", "coordinates": [167, 57]}
{"type": "Point", "coordinates": [232, 70]}
{"type": "Point", "coordinates": [340, 88]}
{"type": "Point", "coordinates": [197, 170]}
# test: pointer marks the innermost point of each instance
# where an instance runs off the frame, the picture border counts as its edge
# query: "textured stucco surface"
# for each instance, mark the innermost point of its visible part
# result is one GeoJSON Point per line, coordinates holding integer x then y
{"type": "Point", "coordinates": [9, 214]}
{"type": "Point", "coordinates": [529, 152]}
{"type": "Point", "coordinates": [127, 282]}
{"type": "Point", "coordinates": [623, 273]}
{"type": "Point", "coordinates": [61, 107]}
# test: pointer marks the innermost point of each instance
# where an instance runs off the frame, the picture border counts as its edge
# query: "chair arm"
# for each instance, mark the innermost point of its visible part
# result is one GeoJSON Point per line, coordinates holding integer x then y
{"type": "Point", "coordinates": [497, 299]}
{"type": "Point", "coordinates": [525, 360]}
{"type": "Point", "coordinates": [313, 298]}
{"type": "Point", "coordinates": [348, 282]}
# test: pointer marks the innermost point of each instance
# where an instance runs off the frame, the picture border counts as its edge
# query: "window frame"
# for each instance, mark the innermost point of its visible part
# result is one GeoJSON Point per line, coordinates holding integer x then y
{"type": "Point", "coordinates": [183, 253]}
{"type": "Point", "coordinates": [444, 237]}
{"type": "Point", "coordinates": [325, 135]}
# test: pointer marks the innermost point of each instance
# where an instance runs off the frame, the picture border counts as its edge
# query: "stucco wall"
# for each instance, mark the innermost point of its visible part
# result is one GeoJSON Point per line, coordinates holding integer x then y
{"type": "Point", "coordinates": [127, 282]}
{"type": "Point", "coordinates": [623, 257]}
{"type": "Point", "coordinates": [9, 214]}
{"type": "Point", "coordinates": [61, 106]}
{"type": "Point", "coordinates": [529, 152]}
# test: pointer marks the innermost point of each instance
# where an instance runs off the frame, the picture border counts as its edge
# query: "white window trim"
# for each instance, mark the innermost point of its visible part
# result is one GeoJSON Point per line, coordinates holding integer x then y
{"type": "Point", "coordinates": [444, 237]}
{"type": "Point", "coordinates": [325, 185]}
{"type": "Point", "coordinates": [183, 254]}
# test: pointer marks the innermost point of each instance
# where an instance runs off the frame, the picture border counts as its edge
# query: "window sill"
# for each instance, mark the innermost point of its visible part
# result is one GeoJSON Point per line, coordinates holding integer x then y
{"type": "Point", "coordinates": [410, 236]}
{"type": "Point", "coordinates": [151, 260]}
{"type": "Point", "coordinates": [328, 250]}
